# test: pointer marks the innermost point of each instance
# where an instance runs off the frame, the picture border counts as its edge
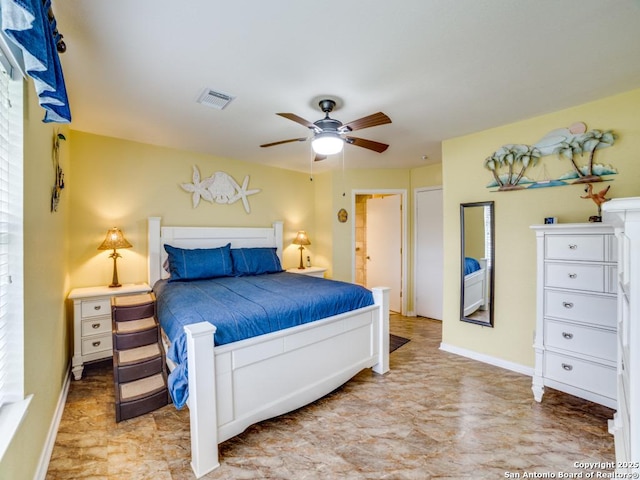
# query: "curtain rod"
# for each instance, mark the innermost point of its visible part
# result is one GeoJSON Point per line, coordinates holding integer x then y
{"type": "Point", "coordinates": [60, 45]}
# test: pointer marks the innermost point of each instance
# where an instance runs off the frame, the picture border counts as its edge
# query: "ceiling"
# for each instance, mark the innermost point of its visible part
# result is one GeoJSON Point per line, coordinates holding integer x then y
{"type": "Point", "coordinates": [438, 68]}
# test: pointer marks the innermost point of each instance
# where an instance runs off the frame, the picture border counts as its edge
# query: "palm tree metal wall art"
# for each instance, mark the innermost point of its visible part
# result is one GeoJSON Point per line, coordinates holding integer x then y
{"type": "Point", "coordinates": [509, 163]}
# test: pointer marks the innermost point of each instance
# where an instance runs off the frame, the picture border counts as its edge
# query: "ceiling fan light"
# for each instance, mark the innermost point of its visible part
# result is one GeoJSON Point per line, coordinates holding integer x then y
{"type": "Point", "coordinates": [327, 143]}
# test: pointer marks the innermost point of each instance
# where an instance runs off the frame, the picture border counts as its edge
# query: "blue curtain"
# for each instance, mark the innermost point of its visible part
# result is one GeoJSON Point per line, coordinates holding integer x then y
{"type": "Point", "coordinates": [27, 24]}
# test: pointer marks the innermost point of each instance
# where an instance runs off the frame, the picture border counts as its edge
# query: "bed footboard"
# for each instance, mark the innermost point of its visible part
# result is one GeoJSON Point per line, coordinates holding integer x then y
{"type": "Point", "coordinates": [266, 376]}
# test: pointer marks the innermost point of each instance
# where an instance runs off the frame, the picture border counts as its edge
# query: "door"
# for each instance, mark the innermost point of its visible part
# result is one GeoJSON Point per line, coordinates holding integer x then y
{"type": "Point", "coordinates": [384, 246]}
{"type": "Point", "coordinates": [429, 250]}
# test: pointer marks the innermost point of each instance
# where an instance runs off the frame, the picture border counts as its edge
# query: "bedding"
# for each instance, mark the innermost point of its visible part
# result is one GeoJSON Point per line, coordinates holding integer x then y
{"type": "Point", "coordinates": [246, 306]}
{"type": "Point", "coordinates": [471, 265]}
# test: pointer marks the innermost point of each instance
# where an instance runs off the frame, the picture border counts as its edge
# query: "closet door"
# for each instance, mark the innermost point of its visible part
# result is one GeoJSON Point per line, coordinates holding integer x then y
{"type": "Point", "coordinates": [428, 266]}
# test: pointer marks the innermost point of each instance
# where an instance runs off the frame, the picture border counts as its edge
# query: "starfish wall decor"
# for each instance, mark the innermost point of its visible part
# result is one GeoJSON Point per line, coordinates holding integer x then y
{"type": "Point", "coordinates": [219, 188]}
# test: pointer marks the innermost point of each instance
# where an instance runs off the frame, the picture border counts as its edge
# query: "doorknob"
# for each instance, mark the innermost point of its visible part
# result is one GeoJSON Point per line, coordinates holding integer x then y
{"type": "Point", "coordinates": [368, 257]}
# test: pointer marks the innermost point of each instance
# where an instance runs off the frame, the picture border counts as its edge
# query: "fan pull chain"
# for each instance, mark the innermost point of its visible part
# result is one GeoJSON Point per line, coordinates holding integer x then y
{"type": "Point", "coordinates": [343, 181]}
{"type": "Point", "coordinates": [311, 157]}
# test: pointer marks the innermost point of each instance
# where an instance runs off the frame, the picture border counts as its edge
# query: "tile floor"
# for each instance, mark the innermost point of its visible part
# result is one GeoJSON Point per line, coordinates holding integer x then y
{"type": "Point", "coordinates": [435, 415]}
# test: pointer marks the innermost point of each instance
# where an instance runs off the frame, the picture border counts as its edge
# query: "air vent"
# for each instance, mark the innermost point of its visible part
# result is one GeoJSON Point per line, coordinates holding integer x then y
{"type": "Point", "coordinates": [214, 99]}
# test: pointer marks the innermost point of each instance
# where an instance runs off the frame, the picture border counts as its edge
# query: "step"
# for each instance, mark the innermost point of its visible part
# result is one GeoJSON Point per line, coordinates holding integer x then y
{"type": "Point", "coordinates": [139, 354]}
{"type": "Point", "coordinates": [133, 307]}
{"type": "Point", "coordinates": [135, 333]}
{"type": "Point", "coordinates": [141, 396]}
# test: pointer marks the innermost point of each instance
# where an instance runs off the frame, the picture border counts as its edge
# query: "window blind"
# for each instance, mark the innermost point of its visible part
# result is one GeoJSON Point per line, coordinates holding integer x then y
{"type": "Point", "coordinates": [11, 302]}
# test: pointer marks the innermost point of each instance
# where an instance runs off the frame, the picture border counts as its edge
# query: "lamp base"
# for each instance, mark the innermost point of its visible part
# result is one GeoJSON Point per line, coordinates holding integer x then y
{"type": "Point", "coordinates": [301, 267]}
{"type": "Point", "coordinates": [114, 281]}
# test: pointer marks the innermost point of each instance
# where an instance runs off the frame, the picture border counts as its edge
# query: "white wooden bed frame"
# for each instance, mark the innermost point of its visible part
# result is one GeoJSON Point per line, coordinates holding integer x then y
{"type": "Point", "coordinates": [269, 375]}
{"type": "Point", "coordinates": [476, 291]}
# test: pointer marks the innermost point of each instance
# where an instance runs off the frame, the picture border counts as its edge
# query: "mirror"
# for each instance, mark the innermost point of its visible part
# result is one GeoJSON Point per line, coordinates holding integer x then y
{"type": "Point", "coordinates": [477, 260]}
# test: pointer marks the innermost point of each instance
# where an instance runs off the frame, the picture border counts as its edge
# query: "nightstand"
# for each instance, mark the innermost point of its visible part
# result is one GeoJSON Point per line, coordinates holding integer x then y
{"type": "Point", "coordinates": [92, 338]}
{"type": "Point", "coordinates": [311, 271]}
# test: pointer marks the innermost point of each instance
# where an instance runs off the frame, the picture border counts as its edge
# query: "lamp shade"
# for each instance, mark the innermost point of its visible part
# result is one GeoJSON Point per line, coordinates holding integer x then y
{"type": "Point", "coordinates": [327, 143]}
{"type": "Point", "coordinates": [301, 238]}
{"type": "Point", "coordinates": [114, 239]}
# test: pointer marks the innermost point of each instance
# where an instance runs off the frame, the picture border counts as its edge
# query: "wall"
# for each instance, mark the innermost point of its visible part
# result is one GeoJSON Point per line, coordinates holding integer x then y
{"type": "Point", "coordinates": [46, 330]}
{"type": "Point", "coordinates": [121, 183]}
{"type": "Point", "coordinates": [464, 181]}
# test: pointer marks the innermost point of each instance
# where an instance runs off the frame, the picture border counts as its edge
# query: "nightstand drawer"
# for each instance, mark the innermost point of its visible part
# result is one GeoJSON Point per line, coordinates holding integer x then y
{"type": "Point", "coordinates": [575, 247]}
{"type": "Point", "coordinates": [94, 308]}
{"type": "Point", "coordinates": [97, 343]}
{"type": "Point", "coordinates": [589, 376]}
{"type": "Point", "coordinates": [94, 326]}
{"type": "Point", "coordinates": [575, 276]}
{"type": "Point", "coordinates": [581, 307]}
{"type": "Point", "coordinates": [581, 339]}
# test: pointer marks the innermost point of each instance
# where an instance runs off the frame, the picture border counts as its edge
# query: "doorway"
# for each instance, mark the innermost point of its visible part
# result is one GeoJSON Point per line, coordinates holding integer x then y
{"type": "Point", "coordinates": [380, 242]}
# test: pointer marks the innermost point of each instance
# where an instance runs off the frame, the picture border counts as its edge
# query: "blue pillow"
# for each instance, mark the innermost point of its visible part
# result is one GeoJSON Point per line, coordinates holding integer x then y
{"type": "Point", "coordinates": [255, 261]}
{"type": "Point", "coordinates": [199, 263]}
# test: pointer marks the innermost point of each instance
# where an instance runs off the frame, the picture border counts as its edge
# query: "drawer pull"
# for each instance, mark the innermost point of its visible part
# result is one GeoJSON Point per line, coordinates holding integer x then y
{"type": "Point", "coordinates": [96, 344]}
{"type": "Point", "coordinates": [567, 304]}
{"type": "Point", "coordinates": [573, 275]}
{"type": "Point", "coordinates": [95, 325]}
{"type": "Point", "coordinates": [97, 307]}
{"type": "Point", "coordinates": [567, 367]}
{"type": "Point", "coordinates": [567, 335]}
{"type": "Point", "coordinates": [573, 246]}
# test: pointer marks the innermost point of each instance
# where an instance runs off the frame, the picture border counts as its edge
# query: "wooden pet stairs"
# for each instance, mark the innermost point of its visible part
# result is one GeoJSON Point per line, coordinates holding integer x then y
{"type": "Point", "coordinates": [139, 371]}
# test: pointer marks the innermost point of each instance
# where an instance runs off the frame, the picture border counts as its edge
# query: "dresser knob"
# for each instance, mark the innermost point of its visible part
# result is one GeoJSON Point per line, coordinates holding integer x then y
{"type": "Point", "coordinates": [567, 304]}
{"type": "Point", "coordinates": [567, 335]}
{"type": "Point", "coordinates": [567, 367]}
{"type": "Point", "coordinates": [96, 344]}
{"type": "Point", "coordinates": [95, 325]}
{"type": "Point", "coordinates": [573, 275]}
{"type": "Point", "coordinates": [97, 307]}
{"type": "Point", "coordinates": [573, 246]}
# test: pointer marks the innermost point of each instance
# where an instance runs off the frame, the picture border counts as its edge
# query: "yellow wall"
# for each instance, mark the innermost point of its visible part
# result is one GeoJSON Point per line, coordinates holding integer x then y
{"type": "Point", "coordinates": [464, 181]}
{"type": "Point", "coordinates": [121, 183]}
{"type": "Point", "coordinates": [46, 332]}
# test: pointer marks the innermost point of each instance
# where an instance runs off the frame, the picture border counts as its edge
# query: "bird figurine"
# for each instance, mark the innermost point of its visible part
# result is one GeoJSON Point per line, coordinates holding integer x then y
{"type": "Point", "coordinates": [598, 198]}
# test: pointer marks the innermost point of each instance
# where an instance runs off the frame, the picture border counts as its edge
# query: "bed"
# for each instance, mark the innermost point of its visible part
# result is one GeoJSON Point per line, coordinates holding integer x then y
{"type": "Point", "coordinates": [476, 293]}
{"type": "Point", "coordinates": [238, 384]}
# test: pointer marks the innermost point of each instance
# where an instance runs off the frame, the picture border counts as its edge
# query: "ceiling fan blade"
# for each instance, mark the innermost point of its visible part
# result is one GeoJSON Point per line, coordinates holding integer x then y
{"type": "Point", "coordinates": [319, 157]}
{"type": "Point", "coordinates": [370, 144]}
{"type": "Point", "coordinates": [297, 119]}
{"type": "Point", "coordinates": [368, 121]}
{"type": "Point", "coordinates": [303, 139]}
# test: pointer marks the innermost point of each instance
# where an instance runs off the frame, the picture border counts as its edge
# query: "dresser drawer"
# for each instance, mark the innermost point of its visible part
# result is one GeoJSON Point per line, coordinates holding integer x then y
{"type": "Point", "coordinates": [582, 374]}
{"type": "Point", "coordinates": [575, 276]}
{"type": "Point", "coordinates": [593, 309]}
{"type": "Point", "coordinates": [94, 308]}
{"type": "Point", "coordinates": [581, 339]}
{"type": "Point", "coordinates": [575, 247]}
{"type": "Point", "coordinates": [94, 326]}
{"type": "Point", "coordinates": [97, 343]}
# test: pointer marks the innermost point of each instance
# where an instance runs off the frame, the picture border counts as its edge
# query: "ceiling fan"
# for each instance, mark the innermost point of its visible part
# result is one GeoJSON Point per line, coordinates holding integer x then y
{"type": "Point", "coordinates": [330, 135]}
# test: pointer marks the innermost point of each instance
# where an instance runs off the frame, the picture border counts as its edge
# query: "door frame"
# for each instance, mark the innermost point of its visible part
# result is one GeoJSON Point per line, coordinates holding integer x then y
{"type": "Point", "coordinates": [416, 191]}
{"type": "Point", "coordinates": [404, 243]}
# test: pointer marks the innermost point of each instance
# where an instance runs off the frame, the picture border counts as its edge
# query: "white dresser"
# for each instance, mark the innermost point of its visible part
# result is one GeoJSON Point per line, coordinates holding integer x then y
{"type": "Point", "coordinates": [624, 214]}
{"type": "Point", "coordinates": [575, 338]}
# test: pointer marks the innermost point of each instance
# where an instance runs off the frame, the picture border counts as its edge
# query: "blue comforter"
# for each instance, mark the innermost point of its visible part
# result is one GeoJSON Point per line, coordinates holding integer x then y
{"type": "Point", "coordinates": [244, 307]}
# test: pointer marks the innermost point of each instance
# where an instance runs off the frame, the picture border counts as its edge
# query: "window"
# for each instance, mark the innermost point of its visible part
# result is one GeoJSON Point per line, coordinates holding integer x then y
{"type": "Point", "coordinates": [13, 405]}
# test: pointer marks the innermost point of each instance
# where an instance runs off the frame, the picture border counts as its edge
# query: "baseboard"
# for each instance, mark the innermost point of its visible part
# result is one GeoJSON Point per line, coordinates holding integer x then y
{"type": "Point", "coordinates": [45, 456]}
{"type": "Point", "coordinates": [481, 357]}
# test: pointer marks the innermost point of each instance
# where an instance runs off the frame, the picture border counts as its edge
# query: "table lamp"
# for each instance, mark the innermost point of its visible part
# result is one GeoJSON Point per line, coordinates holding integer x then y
{"type": "Point", "coordinates": [302, 240]}
{"type": "Point", "coordinates": [114, 240]}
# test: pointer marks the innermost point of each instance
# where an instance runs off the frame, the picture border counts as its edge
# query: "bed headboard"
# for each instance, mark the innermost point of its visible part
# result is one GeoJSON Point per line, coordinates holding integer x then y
{"type": "Point", "coordinates": [205, 237]}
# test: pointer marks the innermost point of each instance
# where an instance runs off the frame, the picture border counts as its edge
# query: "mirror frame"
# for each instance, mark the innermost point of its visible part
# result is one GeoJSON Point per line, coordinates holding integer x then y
{"type": "Point", "coordinates": [491, 279]}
